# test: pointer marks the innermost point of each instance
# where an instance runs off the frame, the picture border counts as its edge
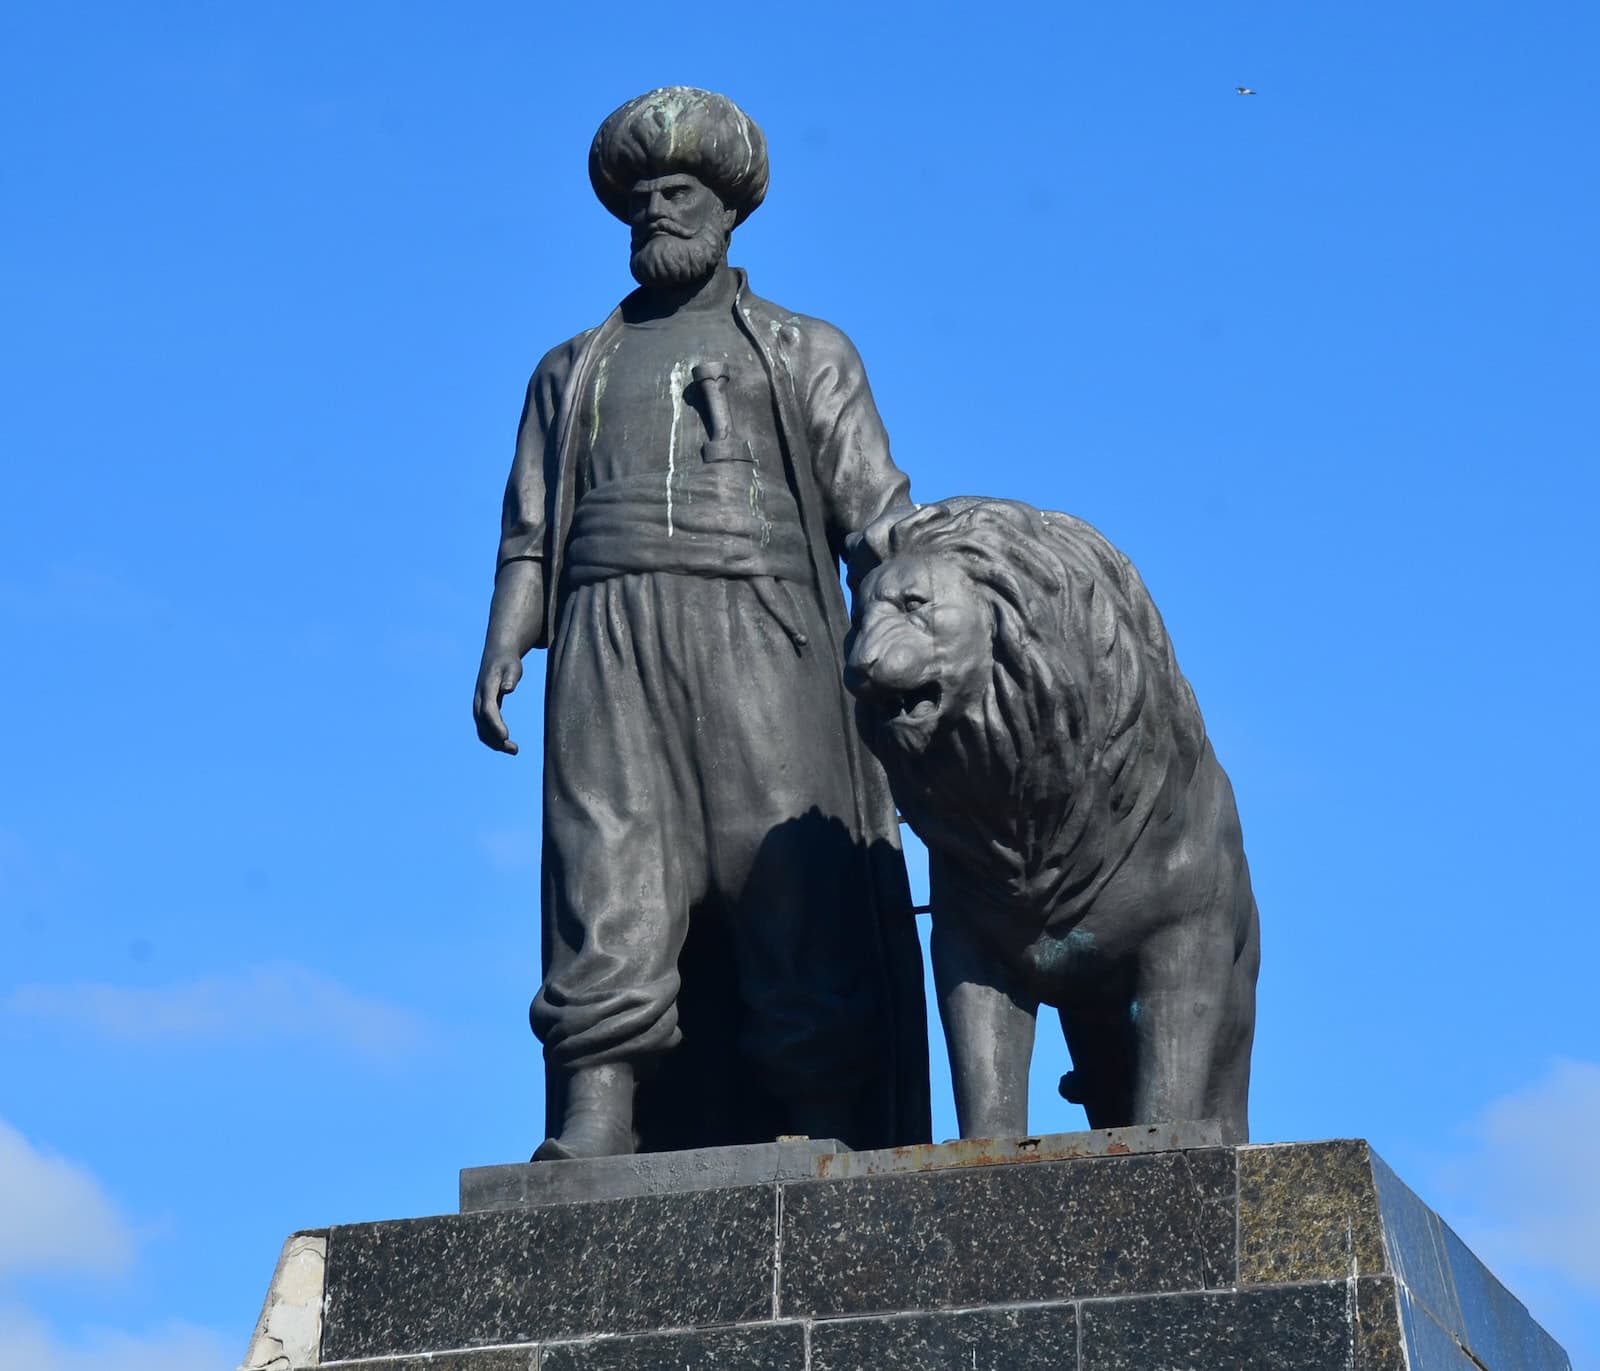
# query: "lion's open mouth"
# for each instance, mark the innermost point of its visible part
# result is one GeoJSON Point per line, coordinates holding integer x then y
{"type": "Point", "coordinates": [910, 706]}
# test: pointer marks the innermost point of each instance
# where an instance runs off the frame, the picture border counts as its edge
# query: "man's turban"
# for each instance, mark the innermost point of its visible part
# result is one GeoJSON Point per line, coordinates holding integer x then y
{"type": "Point", "coordinates": [680, 129]}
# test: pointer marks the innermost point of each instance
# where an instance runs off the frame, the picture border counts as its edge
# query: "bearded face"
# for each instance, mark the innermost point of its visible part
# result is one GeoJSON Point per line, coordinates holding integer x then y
{"type": "Point", "coordinates": [680, 231]}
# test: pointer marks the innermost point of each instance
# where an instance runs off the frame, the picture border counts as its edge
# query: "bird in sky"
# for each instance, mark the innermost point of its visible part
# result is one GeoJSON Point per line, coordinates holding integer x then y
{"type": "Point", "coordinates": [1243, 90]}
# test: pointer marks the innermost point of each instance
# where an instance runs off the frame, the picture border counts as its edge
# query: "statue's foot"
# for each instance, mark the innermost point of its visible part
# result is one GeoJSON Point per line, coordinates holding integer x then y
{"type": "Point", "coordinates": [553, 1150]}
{"type": "Point", "coordinates": [599, 1121]}
{"type": "Point", "coordinates": [824, 1116]}
{"type": "Point", "coordinates": [577, 1141]}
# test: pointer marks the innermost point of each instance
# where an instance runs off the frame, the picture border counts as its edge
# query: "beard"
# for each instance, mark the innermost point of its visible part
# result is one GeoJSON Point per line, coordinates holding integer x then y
{"type": "Point", "coordinates": [664, 260]}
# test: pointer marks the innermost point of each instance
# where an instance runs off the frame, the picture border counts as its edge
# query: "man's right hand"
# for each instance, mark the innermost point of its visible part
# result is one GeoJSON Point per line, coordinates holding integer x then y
{"type": "Point", "coordinates": [516, 617]}
{"type": "Point", "coordinates": [497, 678]}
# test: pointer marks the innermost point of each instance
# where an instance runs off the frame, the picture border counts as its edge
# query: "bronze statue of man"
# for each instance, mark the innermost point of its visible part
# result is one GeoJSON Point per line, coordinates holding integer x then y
{"type": "Point", "coordinates": [728, 948]}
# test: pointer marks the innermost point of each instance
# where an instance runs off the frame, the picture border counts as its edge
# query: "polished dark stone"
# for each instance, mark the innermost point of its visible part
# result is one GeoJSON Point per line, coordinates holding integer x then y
{"type": "Point", "coordinates": [1308, 1211]}
{"type": "Point", "coordinates": [986, 1260]}
{"type": "Point", "coordinates": [1021, 1338]}
{"type": "Point", "coordinates": [1330, 1210]}
{"type": "Point", "coordinates": [1044, 1147]}
{"type": "Point", "coordinates": [771, 1347]}
{"type": "Point", "coordinates": [1495, 1324]}
{"type": "Point", "coordinates": [480, 1359]}
{"type": "Point", "coordinates": [525, 1184]}
{"type": "Point", "coordinates": [1414, 1242]}
{"type": "Point", "coordinates": [1006, 1234]}
{"type": "Point", "coordinates": [1430, 1346]}
{"type": "Point", "coordinates": [1281, 1328]}
{"type": "Point", "coordinates": [621, 1266]}
{"type": "Point", "coordinates": [1380, 1342]}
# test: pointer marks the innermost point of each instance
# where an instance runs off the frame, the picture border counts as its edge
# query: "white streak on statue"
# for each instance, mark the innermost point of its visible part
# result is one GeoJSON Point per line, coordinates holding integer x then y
{"type": "Point", "coordinates": [723, 885]}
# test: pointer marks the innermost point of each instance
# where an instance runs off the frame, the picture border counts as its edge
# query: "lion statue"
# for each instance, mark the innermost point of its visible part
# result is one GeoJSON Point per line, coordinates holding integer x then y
{"type": "Point", "coordinates": [1013, 676]}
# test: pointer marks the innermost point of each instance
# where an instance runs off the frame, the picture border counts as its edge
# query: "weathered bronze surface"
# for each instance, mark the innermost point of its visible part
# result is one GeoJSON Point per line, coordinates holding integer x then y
{"type": "Point", "coordinates": [728, 948]}
{"type": "Point", "coordinates": [1016, 680]}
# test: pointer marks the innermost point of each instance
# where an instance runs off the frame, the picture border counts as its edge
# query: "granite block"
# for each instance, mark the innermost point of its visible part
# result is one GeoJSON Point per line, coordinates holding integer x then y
{"type": "Point", "coordinates": [524, 1358]}
{"type": "Point", "coordinates": [1414, 1243]}
{"type": "Point", "coordinates": [1041, 1337]}
{"type": "Point", "coordinates": [1079, 1252]}
{"type": "Point", "coordinates": [1308, 1211]}
{"type": "Point", "coordinates": [1429, 1346]}
{"type": "Point", "coordinates": [1495, 1325]}
{"type": "Point", "coordinates": [768, 1347]}
{"type": "Point", "coordinates": [1047, 1147]}
{"type": "Point", "coordinates": [1275, 1328]}
{"type": "Point", "coordinates": [645, 1173]}
{"type": "Point", "coordinates": [527, 1275]}
{"type": "Point", "coordinates": [1380, 1344]}
{"type": "Point", "coordinates": [1009, 1234]}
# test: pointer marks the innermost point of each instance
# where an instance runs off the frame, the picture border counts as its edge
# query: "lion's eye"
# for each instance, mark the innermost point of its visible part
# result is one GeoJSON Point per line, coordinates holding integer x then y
{"type": "Point", "coordinates": [912, 602]}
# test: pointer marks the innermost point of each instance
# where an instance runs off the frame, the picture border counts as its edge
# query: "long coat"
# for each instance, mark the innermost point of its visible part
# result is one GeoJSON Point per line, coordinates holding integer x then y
{"type": "Point", "coordinates": [839, 470]}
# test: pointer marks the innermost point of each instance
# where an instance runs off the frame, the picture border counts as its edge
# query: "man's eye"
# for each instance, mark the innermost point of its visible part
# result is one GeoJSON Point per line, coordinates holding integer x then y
{"type": "Point", "coordinates": [912, 602]}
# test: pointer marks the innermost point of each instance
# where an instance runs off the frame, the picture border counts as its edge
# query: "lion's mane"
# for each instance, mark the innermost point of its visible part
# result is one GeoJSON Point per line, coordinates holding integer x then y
{"type": "Point", "coordinates": [1086, 715]}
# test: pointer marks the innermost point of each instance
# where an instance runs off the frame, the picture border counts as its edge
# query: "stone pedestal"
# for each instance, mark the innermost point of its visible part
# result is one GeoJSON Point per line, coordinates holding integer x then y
{"type": "Point", "coordinates": [1127, 1250]}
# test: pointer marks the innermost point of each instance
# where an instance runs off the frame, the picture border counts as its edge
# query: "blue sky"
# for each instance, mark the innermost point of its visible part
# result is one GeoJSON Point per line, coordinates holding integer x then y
{"type": "Point", "coordinates": [1322, 361]}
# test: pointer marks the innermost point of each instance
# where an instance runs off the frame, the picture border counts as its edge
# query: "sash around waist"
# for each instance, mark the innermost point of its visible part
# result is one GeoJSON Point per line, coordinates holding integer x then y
{"type": "Point", "coordinates": [720, 519]}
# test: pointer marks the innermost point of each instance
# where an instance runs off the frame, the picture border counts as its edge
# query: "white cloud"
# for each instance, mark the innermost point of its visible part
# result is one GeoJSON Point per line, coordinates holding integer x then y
{"type": "Point", "coordinates": [263, 1004]}
{"type": "Point", "coordinates": [55, 1216]}
{"type": "Point", "coordinates": [1530, 1184]}
{"type": "Point", "coordinates": [56, 1219]}
{"type": "Point", "coordinates": [28, 1344]}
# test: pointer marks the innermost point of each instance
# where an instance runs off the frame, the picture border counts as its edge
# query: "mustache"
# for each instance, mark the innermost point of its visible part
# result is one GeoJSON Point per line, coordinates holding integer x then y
{"type": "Point", "coordinates": [660, 228]}
{"type": "Point", "coordinates": [663, 259]}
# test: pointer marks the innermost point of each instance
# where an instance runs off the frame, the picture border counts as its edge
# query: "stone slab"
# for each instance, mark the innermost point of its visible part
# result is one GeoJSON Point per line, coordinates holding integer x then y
{"type": "Point", "coordinates": [769, 1347]}
{"type": "Point", "coordinates": [289, 1331]}
{"type": "Point", "coordinates": [1439, 1276]}
{"type": "Point", "coordinates": [522, 1184]}
{"type": "Point", "coordinates": [1494, 1323]}
{"type": "Point", "coordinates": [1276, 1328]}
{"type": "Point", "coordinates": [521, 1358]}
{"type": "Point", "coordinates": [1432, 1347]}
{"type": "Point", "coordinates": [1150, 1253]}
{"type": "Point", "coordinates": [1048, 1147]}
{"type": "Point", "coordinates": [557, 1272]}
{"type": "Point", "coordinates": [1009, 1234]}
{"type": "Point", "coordinates": [1041, 1337]}
{"type": "Point", "coordinates": [1308, 1212]}
{"type": "Point", "coordinates": [1380, 1337]}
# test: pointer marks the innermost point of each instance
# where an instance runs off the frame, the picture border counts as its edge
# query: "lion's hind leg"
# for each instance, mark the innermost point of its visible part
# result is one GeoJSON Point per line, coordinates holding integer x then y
{"type": "Point", "coordinates": [1228, 1095]}
{"type": "Point", "coordinates": [1183, 1002]}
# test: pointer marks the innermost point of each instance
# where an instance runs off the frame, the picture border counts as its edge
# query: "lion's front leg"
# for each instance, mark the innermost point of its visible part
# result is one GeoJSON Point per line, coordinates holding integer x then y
{"type": "Point", "coordinates": [988, 1028]}
{"type": "Point", "coordinates": [1176, 1017]}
